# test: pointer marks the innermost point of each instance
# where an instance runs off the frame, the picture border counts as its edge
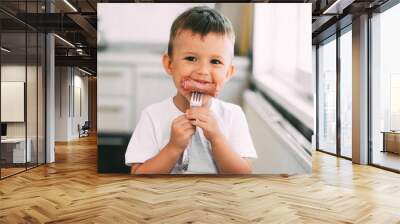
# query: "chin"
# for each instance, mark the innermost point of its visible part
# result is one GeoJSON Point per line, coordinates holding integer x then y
{"type": "Point", "coordinates": [188, 98]}
{"type": "Point", "coordinates": [186, 94]}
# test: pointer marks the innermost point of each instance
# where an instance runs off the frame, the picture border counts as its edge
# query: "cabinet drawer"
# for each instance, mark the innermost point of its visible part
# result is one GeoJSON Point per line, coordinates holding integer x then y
{"type": "Point", "coordinates": [114, 115]}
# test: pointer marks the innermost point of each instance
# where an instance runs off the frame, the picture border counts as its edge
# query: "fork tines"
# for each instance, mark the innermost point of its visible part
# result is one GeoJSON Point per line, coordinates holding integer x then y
{"type": "Point", "coordinates": [196, 99]}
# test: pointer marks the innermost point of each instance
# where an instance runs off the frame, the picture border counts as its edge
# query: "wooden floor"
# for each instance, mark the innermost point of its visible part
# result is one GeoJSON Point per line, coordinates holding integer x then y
{"type": "Point", "coordinates": [387, 159]}
{"type": "Point", "coordinates": [70, 191]}
{"type": "Point", "coordinates": [10, 171]}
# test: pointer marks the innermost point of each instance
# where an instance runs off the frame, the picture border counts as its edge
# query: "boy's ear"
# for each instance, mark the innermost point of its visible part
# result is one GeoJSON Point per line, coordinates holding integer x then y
{"type": "Point", "coordinates": [166, 61]}
{"type": "Point", "coordinates": [231, 72]}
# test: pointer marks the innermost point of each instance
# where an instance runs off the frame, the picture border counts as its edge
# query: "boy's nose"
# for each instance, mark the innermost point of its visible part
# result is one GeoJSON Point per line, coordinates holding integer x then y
{"type": "Point", "coordinates": [202, 69]}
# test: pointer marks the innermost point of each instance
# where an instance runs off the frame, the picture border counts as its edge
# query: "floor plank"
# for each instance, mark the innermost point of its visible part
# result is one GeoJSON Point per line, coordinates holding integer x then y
{"type": "Point", "coordinates": [71, 191]}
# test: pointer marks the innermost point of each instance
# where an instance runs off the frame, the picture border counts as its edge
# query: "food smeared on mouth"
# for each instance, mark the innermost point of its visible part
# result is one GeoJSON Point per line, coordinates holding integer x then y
{"type": "Point", "coordinates": [204, 87]}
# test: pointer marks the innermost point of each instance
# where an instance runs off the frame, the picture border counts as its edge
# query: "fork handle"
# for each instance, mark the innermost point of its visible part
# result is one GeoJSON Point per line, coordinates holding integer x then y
{"type": "Point", "coordinates": [186, 152]}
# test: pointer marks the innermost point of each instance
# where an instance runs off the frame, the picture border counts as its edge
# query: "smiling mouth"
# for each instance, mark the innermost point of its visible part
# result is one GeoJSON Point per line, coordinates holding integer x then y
{"type": "Point", "coordinates": [202, 82]}
{"type": "Point", "coordinates": [200, 86]}
{"type": "Point", "coordinates": [195, 84]}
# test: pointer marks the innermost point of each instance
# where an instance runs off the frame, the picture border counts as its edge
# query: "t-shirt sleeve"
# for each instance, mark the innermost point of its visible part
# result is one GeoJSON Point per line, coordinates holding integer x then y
{"type": "Point", "coordinates": [239, 136]}
{"type": "Point", "coordinates": [142, 145]}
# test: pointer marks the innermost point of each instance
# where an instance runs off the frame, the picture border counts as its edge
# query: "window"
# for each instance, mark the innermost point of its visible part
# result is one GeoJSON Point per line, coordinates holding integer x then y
{"type": "Point", "coordinates": [385, 89]}
{"type": "Point", "coordinates": [282, 56]}
{"type": "Point", "coordinates": [327, 95]}
{"type": "Point", "coordinates": [346, 93]}
{"type": "Point", "coordinates": [22, 65]}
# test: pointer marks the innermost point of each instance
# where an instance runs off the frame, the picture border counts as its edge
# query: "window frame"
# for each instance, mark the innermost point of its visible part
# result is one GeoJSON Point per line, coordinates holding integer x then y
{"type": "Point", "coordinates": [381, 9]}
{"type": "Point", "coordinates": [334, 37]}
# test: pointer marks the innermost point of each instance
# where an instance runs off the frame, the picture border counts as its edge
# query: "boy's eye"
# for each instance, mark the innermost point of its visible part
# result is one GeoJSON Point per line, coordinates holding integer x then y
{"type": "Point", "coordinates": [190, 58]}
{"type": "Point", "coordinates": [216, 61]}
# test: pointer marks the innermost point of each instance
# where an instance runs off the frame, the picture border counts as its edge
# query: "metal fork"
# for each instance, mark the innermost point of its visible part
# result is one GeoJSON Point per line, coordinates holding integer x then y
{"type": "Point", "coordinates": [196, 100]}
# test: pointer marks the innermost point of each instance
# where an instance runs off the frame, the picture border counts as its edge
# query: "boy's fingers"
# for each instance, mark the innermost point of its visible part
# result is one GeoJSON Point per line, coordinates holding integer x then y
{"type": "Point", "coordinates": [199, 123]}
{"type": "Point", "coordinates": [188, 135]}
{"type": "Point", "coordinates": [198, 110]}
{"type": "Point", "coordinates": [188, 131]}
{"type": "Point", "coordinates": [201, 117]}
{"type": "Point", "coordinates": [185, 122]}
{"type": "Point", "coordinates": [181, 120]}
{"type": "Point", "coordinates": [187, 126]}
{"type": "Point", "coordinates": [205, 113]}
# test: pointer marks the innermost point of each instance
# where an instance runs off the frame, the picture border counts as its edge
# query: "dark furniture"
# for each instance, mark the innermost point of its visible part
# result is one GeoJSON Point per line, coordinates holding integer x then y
{"type": "Point", "coordinates": [3, 129]}
{"type": "Point", "coordinates": [391, 141]}
{"type": "Point", "coordinates": [111, 148]}
{"type": "Point", "coordinates": [84, 130]}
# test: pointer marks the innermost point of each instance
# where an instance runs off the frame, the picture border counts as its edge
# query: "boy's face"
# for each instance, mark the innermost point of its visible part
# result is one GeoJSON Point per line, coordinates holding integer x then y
{"type": "Point", "coordinates": [201, 62]}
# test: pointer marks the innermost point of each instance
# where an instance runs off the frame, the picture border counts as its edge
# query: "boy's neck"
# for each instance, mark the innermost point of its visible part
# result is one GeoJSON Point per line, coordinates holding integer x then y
{"type": "Point", "coordinates": [181, 102]}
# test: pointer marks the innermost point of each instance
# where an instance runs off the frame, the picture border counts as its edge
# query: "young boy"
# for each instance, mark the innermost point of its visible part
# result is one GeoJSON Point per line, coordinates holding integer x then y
{"type": "Point", "coordinates": [199, 59]}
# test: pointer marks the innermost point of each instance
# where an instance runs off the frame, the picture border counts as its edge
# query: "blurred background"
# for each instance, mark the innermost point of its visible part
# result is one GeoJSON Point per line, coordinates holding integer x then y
{"type": "Point", "coordinates": [274, 82]}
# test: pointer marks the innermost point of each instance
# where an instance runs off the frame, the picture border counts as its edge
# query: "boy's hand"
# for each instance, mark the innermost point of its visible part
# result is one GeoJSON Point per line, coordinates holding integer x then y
{"type": "Point", "coordinates": [204, 118]}
{"type": "Point", "coordinates": [181, 132]}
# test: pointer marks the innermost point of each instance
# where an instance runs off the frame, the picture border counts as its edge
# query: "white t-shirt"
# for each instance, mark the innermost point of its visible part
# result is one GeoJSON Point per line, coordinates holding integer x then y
{"type": "Point", "coordinates": [153, 131]}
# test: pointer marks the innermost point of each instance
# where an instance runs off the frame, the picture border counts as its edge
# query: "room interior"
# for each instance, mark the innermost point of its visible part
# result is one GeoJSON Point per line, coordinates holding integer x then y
{"type": "Point", "coordinates": [49, 77]}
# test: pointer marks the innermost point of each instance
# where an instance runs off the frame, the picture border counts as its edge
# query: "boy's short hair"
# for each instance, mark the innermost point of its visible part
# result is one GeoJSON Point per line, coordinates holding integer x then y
{"type": "Point", "coordinates": [201, 20]}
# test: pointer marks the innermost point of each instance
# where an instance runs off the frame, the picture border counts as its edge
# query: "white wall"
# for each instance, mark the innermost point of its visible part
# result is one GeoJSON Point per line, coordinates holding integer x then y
{"type": "Point", "coordinates": [68, 81]}
{"type": "Point", "coordinates": [61, 103]}
{"type": "Point", "coordinates": [14, 73]}
{"type": "Point", "coordinates": [33, 126]}
{"type": "Point", "coordinates": [79, 117]}
{"type": "Point", "coordinates": [17, 73]}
